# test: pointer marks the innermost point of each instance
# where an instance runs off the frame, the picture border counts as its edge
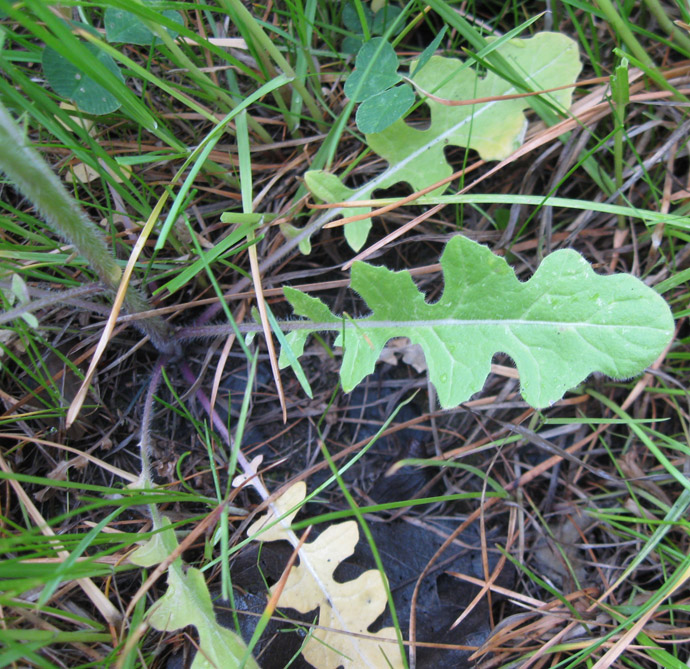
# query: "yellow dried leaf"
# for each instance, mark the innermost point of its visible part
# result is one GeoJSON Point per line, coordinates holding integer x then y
{"type": "Point", "coordinates": [348, 609]}
{"type": "Point", "coordinates": [289, 499]}
{"type": "Point", "coordinates": [85, 123]}
{"type": "Point", "coordinates": [85, 173]}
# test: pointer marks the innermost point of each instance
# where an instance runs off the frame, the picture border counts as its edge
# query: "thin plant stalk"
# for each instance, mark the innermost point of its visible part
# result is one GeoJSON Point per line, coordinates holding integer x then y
{"type": "Point", "coordinates": [39, 184]}
{"type": "Point", "coordinates": [638, 52]}
{"type": "Point", "coordinates": [620, 95]}
{"type": "Point", "coordinates": [677, 35]}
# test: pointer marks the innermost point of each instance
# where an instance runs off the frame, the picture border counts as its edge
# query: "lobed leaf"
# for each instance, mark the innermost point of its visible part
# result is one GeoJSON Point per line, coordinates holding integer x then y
{"type": "Point", "coordinates": [328, 188]}
{"type": "Point", "coordinates": [346, 610]}
{"type": "Point", "coordinates": [493, 129]}
{"type": "Point", "coordinates": [560, 326]}
{"type": "Point", "coordinates": [187, 601]}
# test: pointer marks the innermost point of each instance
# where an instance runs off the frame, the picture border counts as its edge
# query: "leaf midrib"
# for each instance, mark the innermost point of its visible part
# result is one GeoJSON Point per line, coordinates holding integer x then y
{"type": "Point", "coordinates": [364, 324]}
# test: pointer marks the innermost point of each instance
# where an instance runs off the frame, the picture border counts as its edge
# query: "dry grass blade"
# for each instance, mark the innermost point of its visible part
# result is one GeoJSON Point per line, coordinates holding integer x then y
{"type": "Point", "coordinates": [120, 297]}
{"type": "Point", "coordinates": [266, 326]}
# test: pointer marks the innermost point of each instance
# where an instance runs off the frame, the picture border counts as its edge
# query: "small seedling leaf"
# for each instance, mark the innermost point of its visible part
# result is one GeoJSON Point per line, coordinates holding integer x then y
{"type": "Point", "coordinates": [126, 27]}
{"type": "Point", "coordinates": [20, 292]}
{"type": "Point", "coordinates": [379, 111]}
{"type": "Point", "coordinates": [290, 231]}
{"type": "Point", "coordinates": [379, 56]}
{"type": "Point", "coordinates": [19, 289]}
{"type": "Point", "coordinates": [68, 81]}
{"type": "Point", "coordinates": [563, 324]}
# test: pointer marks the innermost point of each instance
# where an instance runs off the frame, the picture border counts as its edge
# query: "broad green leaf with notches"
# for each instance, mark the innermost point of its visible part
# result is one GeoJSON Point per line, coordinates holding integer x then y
{"type": "Point", "coordinates": [187, 601]}
{"type": "Point", "coordinates": [559, 326]}
{"type": "Point", "coordinates": [494, 129]}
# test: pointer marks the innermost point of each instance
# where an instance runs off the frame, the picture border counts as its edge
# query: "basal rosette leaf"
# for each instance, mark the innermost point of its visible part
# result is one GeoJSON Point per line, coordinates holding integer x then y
{"type": "Point", "coordinates": [187, 601]}
{"type": "Point", "coordinates": [560, 326]}
{"type": "Point", "coordinates": [494, 129]}
{"type": "Point", "coordinates": [329, 188]}
{"type": "Point", "coordinates": [346, 609]}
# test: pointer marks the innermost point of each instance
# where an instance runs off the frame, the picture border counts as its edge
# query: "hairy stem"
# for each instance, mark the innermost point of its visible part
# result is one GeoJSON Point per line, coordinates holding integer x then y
{"type": "Point", "coordinates": [40, 185]}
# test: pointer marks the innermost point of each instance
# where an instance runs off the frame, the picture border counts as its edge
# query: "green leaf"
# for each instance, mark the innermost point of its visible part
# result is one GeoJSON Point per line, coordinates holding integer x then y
{"type": "Point", "coordinates": [70, 82]}
{"type": "Point", "coordinates": [379, 111]}
{"type": "Point", "coordinates": [309, 307]}
{"type": "Point", "coordinates": [384, 17]}
{"type": "Point", "coordinates": [351, 18]}
{"type": "Point", "coordinates": [560, 326]}
{"type": "Point", "coordinates": [124, 26]}
{"type": "Point", "coordinates": [290, 356]}
{"type": "Point", "coordinates": [351, 44]}
{"type": "Point", "coordinates": [379, 56]}
{"type": "Point", "coordinates": [187, 601]}
{"type": "Point", "coordinates": [191, 269]}
{"type": "Point", "coordinates": [290, 231]}
{"type": "Point", "coordinates": [328, 188]}
{"type": "Point", "coordinates": [493, 129]}
{"type": "Point", "coordinates": [427, 53]}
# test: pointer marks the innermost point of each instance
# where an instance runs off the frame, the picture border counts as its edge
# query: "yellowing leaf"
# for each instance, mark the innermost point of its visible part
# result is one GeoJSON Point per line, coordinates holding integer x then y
{"type": "Point", "coordinates": [493, 129]}
{"type": "Point", "coordinates": [347, 608]}
{"type": "Point", "coordinates": [85, 173]}
{"type": "Point", "coordinates": [289, 499]}
{"type": "Point", "coordinates": [85, 123]}
{"type": "Point", "coordinates": [82, 172]}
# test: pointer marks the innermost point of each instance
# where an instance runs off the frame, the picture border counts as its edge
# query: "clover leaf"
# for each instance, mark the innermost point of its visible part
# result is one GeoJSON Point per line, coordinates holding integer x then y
{"type": "Point", "coordinates": [126, 27]}
{"type": "Point", "coordinates": [372, 82]}
{"type": "Point", "coordinates": [67, 80]}
{"type": "Point", "coordinates": [377, 23]}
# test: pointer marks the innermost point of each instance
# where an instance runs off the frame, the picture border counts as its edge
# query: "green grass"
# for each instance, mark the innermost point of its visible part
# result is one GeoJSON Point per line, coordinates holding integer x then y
{"type": "Point", "coordinates": [219, 137]}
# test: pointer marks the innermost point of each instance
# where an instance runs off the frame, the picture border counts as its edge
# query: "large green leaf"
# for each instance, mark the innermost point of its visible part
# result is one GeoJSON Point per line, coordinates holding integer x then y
{"type": "Point", "coordinates": [560, 326]}
{"type": "Point", "coordinates": [493, 129]}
